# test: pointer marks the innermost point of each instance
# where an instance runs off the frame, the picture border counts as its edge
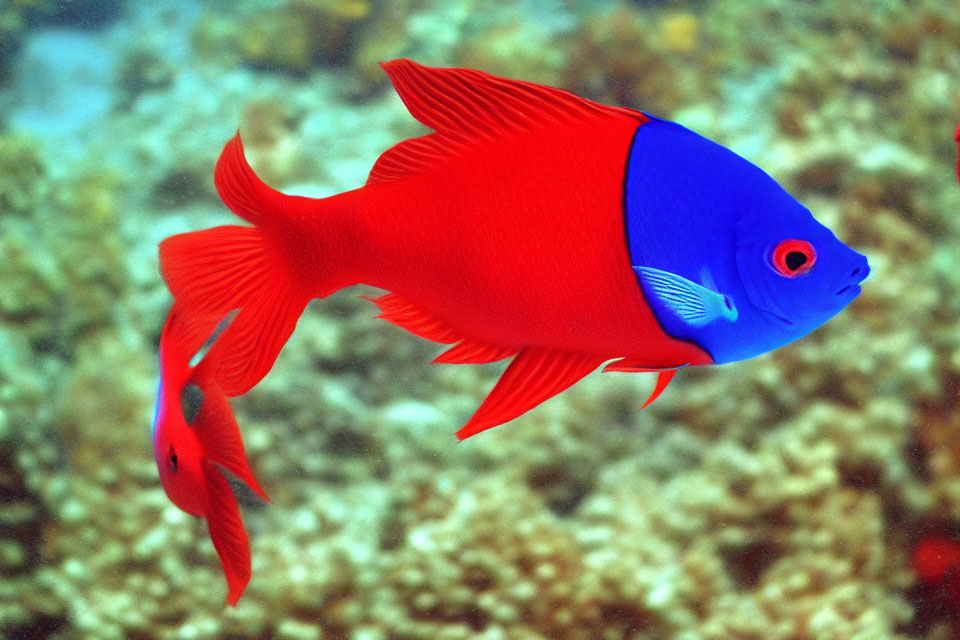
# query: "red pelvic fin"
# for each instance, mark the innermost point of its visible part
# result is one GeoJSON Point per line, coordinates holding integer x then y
{"type": "Point", "coordinates": [473, 352]}
{"type": "Point", "coordinates": [226, 531]}
{"type": "Point", "coordinates": [534, 375]}
{"type": "Point", "coordinates": [663, 379]}
{"type": "Point", "coordinates": [414, 318]}
{"type": "Point", "coordinates": [465, 106]}
{"type": "Point", "coordinates": [215, 271]}
{"type": "Point", "coordinates": [219, 435]}
{"type": "Point", "coordinates": [633, 365]}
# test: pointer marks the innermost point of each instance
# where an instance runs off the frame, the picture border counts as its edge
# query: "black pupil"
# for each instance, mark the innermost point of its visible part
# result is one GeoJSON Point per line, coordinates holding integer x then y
{"type": "Point", "coordinates": [795, 260]}
{"type": "Point", "coordinates": [172, 460]}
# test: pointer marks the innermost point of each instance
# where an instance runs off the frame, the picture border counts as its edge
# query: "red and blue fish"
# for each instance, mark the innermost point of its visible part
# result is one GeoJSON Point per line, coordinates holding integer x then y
{"type": "Point", "coordinates": [531, 224]}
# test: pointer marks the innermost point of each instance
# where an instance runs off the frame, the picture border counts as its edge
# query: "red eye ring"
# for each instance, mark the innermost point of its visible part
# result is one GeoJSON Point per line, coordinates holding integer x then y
{"type": "Point", "coordinates": [787, 263]}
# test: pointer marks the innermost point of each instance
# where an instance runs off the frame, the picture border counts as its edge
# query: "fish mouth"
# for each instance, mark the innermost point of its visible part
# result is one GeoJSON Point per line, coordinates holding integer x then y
{"type": "Point", "coordinates": [778, 317]}
{"type": "Point", "coordinates": [851, 290]}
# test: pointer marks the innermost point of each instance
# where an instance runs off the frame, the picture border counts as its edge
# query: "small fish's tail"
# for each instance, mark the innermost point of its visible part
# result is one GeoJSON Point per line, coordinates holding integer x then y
{"type": "Point", "coordinates": [219, 436]}
{"type": "Point", "coordinates": [217, 271]}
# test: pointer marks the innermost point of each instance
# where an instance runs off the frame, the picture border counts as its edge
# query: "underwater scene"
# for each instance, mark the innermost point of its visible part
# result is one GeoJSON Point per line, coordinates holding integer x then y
{"type": "Point", "coordinates": [808, 488]}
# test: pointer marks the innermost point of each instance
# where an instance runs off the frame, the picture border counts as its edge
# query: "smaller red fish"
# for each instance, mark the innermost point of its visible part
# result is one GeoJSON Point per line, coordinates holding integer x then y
{"type": "Point", "coordinates": [190, 450]}
{"type": "Point", "coordinates": [936, 561]}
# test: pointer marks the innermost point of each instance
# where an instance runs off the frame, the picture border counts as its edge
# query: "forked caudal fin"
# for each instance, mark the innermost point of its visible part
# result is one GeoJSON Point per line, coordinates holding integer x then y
{"type": "Point", "coordinates": [233, 268]}
{"type": "Point", "coordinates": [226, 531]}
{"type": "Point", "coordinates": [219, 436]}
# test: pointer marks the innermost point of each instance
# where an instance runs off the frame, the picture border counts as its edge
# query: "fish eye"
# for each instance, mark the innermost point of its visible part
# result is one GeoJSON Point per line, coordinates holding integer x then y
{"type": "Point", "coordinates": [792, 258]}
{"type": "Point", "coordinates": [172, 460]}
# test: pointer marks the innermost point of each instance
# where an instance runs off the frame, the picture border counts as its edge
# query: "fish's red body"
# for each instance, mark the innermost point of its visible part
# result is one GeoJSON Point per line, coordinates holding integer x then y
{"type": "Point", "coordinates": [536, 268]}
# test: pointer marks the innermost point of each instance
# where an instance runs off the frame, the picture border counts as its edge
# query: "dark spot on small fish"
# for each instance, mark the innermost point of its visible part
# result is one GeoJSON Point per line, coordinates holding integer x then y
{"type": "Point", "coordinates": [190, 400]}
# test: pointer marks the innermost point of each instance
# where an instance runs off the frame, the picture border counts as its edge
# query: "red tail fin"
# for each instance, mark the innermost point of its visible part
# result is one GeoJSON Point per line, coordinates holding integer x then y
{"type": "Point", "coordinates": [226, 531]}
{"type": "Point", "coordinates": [216, 271]}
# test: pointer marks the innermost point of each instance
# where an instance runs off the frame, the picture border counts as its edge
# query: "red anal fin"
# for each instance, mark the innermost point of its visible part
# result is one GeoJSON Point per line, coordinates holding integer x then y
{"type": "Point", "coordinates": [217, 431]}
{"type": "Point", "coordinates": [633, 365]}
{"type": "Point", "coordinates": [414, 318]}
{"type": "Point", "coordinates": [663, 379]}
{"type": "Point", "coordinates": [534, 375]}
{"type": "Point", "coordinates": [473, 352]}
{"type": "Point", "coordinates": [226, 531]}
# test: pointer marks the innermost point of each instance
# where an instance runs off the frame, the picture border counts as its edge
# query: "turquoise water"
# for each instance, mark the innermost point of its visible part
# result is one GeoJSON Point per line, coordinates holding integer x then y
{"type": "Point", "coordinates": [775, 498]}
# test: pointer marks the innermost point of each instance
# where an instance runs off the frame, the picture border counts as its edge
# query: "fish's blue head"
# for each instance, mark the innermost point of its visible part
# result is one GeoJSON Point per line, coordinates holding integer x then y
{"type": "Point", "coordinates": [726, 258]}
{"type": "Point", "coordinates": [794, 271]}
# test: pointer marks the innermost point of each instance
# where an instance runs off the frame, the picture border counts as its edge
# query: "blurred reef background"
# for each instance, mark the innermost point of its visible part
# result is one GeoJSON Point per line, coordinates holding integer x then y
{"type": "Point", "coordinates": [777, 498]}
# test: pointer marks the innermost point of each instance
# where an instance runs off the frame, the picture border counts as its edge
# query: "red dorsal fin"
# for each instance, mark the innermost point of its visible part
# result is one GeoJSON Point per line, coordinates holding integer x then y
{"type": "Point", "coordinates": [226, 531]}
{"type": "Point", "coordinates": [414, 318]}
{"type": "Point", "coordinates": [465, 106]}
{"type": "Point", "coordinates": [534, 375]}
{"type": "Point", "coordinates": [217, 431]}
{"type": "Point", "coordinates": [473, 352]}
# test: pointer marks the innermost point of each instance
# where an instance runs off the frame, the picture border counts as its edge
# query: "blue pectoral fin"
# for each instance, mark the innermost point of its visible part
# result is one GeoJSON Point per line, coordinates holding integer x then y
{"type": "Point", "coordinates": [693, 303]}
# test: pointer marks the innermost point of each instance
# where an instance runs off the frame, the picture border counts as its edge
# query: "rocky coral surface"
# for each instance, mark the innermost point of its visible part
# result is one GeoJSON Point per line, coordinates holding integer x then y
{"type": "Point", "coordinates": [774, 498]}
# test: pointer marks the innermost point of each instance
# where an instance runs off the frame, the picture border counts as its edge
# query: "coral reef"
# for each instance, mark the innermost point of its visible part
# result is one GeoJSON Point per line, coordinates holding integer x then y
{"type": "Point", "coordinates": [775, 498]}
